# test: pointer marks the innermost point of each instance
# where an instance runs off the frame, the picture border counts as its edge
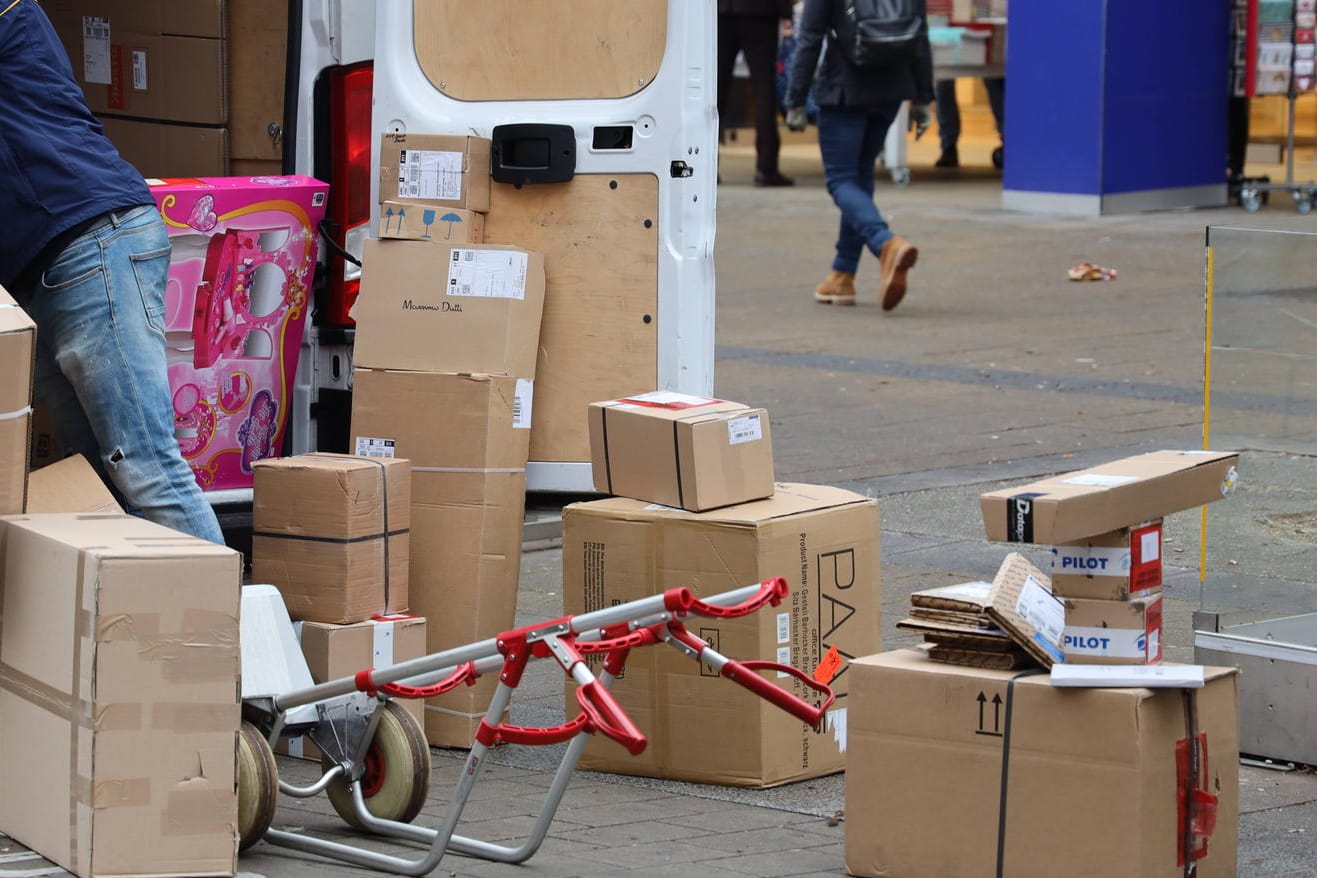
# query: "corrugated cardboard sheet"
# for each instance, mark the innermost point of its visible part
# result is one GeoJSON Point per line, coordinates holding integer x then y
{"type": "Point", "coordinates": [1022, 604]}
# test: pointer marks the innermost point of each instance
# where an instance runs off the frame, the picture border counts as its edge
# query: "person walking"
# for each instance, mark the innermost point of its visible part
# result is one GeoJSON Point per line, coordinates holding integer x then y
{"type": "Point", "coordinates": [948, 120]}
{"type": "Point", "coordinates": [857, 104]}
{"type": "Point", "coordinates": [753, 27]}
{"type": "Point", "coordinates": [86, 254]}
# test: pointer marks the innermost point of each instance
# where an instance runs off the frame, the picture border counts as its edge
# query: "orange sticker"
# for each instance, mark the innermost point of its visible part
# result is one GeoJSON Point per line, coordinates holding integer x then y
{"type": "Point", "coordinates": [828, 667]}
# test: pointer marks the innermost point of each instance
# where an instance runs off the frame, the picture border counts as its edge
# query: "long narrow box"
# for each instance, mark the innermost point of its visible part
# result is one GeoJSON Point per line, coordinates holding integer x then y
{"type": "Point", "coordinates": [119, 703]}
{"type": "Point", "coordinates": [977, 773]}
{"type": "Point", "coordinates": [18, 344]}
{"type": "Point", "coordinates": [332, 533]}
{"type": "Point", "coordinates": [688, 452]}
{"type": "Point", "coordinates": [701, 727]}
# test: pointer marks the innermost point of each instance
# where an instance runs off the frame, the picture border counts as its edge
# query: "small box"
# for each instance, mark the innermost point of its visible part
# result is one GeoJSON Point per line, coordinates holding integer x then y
{"type": "Point", "coordinates": [970, 772]}
{"type": "Point", "coordinates": [701, 727]}
{"type": "Point", "coordinates": [1112, 566]}
{"type": "Point", "coordinates": [1113, 632]}
{"type": "Point", "coordinates": [449, 308]}
{"type": "Point", "coordinates": [1104, 498]}
{"type": "Point", "coordinates": [448, 170]}
{"type": "Point", "coordinates": [18, 345]}
{"type": "Point", "coordinates": [418, 221]}
{"type": "Point", "coordinates": [337, 651]}
{"type": "Point", "coordinates": [332, 533]}
{"type": "Point", "coordinates": [69, 485]}
{"type": "Point", "coordinates": [119, 695]}
{"type": "Point", "coordinates": [687, 452]}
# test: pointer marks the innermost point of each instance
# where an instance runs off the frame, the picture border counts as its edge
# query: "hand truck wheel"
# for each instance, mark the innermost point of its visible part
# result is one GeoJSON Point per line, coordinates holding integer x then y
{"type": "Point", "coordinates": [397, 775]}
{"type": "Point", "coordinates": [1250, 199]}
{"type": "Point", "coordinates": [258, 786]}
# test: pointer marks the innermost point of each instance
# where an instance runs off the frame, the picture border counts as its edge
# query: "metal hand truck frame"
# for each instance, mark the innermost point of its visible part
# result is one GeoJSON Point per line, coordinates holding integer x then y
{"type": "Point", "coordinates": [376, 761]}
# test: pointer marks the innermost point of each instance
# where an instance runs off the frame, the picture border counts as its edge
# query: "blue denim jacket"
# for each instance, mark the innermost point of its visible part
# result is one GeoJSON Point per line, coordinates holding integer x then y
{"type": "Point", "coordinates": [57, 169]}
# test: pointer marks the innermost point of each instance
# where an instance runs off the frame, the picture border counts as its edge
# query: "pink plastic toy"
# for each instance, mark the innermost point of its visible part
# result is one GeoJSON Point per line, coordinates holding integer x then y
{"type": "Point", "coordinates": [244, 251]}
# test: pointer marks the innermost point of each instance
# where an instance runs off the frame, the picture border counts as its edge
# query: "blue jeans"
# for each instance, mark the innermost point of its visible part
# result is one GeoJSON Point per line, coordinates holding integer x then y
{"type": "Point", "coordinates": [101, 370]}
{"type": "Point", "coordinates": [850, 140]}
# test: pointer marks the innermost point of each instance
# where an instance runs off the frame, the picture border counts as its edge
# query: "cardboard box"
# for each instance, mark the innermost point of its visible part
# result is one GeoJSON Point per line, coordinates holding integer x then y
{"type": "Point", "coordinates": [257, 61]}
{"type": "Point", "coordinates": [418, 221]}
{"type": "Point", "coordinates": [18, 344]}
{"type": "Point", "coordinates": [160, 149]}
{"type": "Point", "coordinates": [46, 447]}
{"type": "Point", "coordinates": [439, 308]}
{"type": "Point", "coordinates": [131, 630]}
{"type": "Point", "coordinates": [684, 451]}
{"type": "Point", "coordinates": [1104, 498]}
{"type": "Point", "coordinates": [1113, 632]}
{"type": "Point", "coordinates": [240, 277]}
{"type": "Point", "coordinates": [975, 773]}
{"type": "Point", "coordinates": [69, 485]}
{"type": "Point", "coordinates": [194, 18]}
{"type": "Point", "coordinates": [1022, 604]}
{"type": "Point", "coordinates": [1113, 566]}
{"type": "Point", "coordinates": [468, 441]}
{"type": "Point", "coordinates": [451, 170]}
{"type": "Point", "coordinates": [332, 533]}
{"type": "Point", "coordinates": [702, 727]}
{"type": "Point", "coordinates": [337, 651]}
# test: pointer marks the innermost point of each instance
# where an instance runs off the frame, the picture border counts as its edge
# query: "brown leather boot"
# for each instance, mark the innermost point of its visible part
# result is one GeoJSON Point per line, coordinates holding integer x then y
{"type": "Point", "coordinates": [838, 288]}
{"type": "Point", "coordinates": [897, 257]}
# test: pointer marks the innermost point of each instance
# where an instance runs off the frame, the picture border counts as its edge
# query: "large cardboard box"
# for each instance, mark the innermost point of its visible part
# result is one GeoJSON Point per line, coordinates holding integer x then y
{"type": "Point", "coordinates": [441, 308]}
{"type": "Point", "coordinates": [702, 727]}
{"type": "Point", "coordinates": [1113, 566]}
{"type": "Point", "coordinates": [337, 651]}
{"type": "Point", "coordinates": [158, 59]}
{"type": "Point", "coordinates": [451, 170]}
{"type": "Point", "coordinates": [119, 695]}
{"type": "Point", "coordinates": [685, 451]}
{"type": "Point", "coordinates": [69, 485]}
{"type": "Point", "coordinates": [18, 344]}
{"type": "Point", "coordinates": [468, 442]}
{"type": "Point", "coordinates": [1113, 632]}
{"type": "Point", "coordinates": [419, 221]}
{"type": "Point", "coordinates": [977, 773]}
{"type": "Point", "coordinates": [332, 533]}
{"type": "Point", "coordinates": [1104, 498]}
{"type": "Point", "coordinates": [162, 149]}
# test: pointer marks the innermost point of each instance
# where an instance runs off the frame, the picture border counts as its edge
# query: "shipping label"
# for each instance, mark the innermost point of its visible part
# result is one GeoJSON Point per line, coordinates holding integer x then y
{"type": "Point", "coordinates": [490, 274]}
{"type": "Point", "coordinates": [96, 50]}
{"type": "Point", "coordinates": [367, 446]}
{"type": "Point", "coordinates": [1099, 480]}
{"type": "Point", "coordinates": [742, 430]}
{"type": "Point", "coordinates": [139, 70]}
{"type": "Point", "coordinates": [1037, 606]}
{"type": "Point", "coordinates": [522, 398]}
{"type": "Point", "coordinates": [434, 175]}
{"type": "Point", "coordinates": [783, 627]}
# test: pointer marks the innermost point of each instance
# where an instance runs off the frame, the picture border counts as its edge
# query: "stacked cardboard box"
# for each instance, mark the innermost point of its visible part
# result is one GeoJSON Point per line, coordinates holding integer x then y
{"type": "Point", "coordinates": [18, 344]}
{"type": "Point", "coordinates": [957, 628]}
{"type": "Point", "coordinates": [1105, 526]}
{"type": "Point", "coordinates": [447, 337]}
{"type": "Point", "coordinates": [434, 187]}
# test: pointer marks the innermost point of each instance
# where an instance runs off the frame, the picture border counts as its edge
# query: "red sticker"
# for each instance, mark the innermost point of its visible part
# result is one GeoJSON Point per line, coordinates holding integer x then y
{"type": "Point", "coordinates": [1145, 557]}
{"type": "Point", "coordinates": [828, 667]}
{"type": "Point", "coordinates": [114, 96]}
{"type": "Point", "coordinates": [1152, 633]}
{"type": "Point", "coordinates": [1193, 789]}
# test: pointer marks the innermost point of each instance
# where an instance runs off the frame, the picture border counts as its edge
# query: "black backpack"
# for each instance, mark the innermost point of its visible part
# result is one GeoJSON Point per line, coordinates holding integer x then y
{"type": "Point", "coordinates": [878, 33]}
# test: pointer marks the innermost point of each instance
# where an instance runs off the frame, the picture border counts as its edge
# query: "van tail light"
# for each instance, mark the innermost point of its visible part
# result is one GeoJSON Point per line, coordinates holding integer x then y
{"type": "Point", "coordinates": [348, 211]}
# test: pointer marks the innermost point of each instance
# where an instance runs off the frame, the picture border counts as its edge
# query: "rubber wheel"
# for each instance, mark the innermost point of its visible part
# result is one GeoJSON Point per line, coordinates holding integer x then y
{"type": "Point", "coordinates": [397, 775]}
{"type": "Point", "coordinates": [258, 786]}
{"type": "Point", "coordinates": [1250, 200]}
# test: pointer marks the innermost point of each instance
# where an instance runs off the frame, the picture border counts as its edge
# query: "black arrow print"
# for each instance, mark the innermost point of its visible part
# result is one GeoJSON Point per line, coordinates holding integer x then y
{"type": "Point", "coordinates": [996, 713]}
{"type": "Point", "coordinates": [982, 699]}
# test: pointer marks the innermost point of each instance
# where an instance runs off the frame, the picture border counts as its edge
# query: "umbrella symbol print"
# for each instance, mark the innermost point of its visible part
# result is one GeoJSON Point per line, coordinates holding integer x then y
{"type": "Point", "coordinates": [449, 218]}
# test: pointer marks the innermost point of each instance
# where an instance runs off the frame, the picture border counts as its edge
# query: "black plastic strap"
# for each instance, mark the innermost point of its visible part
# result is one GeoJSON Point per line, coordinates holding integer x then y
{"type": "Point", "coordinates": [337, 541]}
{"type": "Point", "coordinates": [676, 455]}
{"type": "Point", "coordinates": [608, 460]}
{"type": "Point", "coordinates": [1190, 778]}
{"type": "Point", "coordinates": [1005, 767]}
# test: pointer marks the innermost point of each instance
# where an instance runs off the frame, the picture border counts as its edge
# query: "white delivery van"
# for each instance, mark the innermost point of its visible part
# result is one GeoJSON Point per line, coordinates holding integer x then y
{"type": "Point", "coordinates": [605, 128]}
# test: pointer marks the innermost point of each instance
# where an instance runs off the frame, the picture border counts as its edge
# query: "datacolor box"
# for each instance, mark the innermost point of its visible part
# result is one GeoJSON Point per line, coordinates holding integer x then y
{"type": "Point", "coordinates": [1113, 632]}
{"type": "Point", "coordinates": [683, 451]}
{"type": "Point", "coordinates": [702, 727]}
{"type": "Point", "coordinates": [972, 773]}
{"type": "Point", "coordinates": [451, 170]}
{"type": "Point", "coordinates": [1104, 498]}
{"type": "Point", "coordinates": [18, 344]}
{"type": "Point", "coordinates": [1113, 566]}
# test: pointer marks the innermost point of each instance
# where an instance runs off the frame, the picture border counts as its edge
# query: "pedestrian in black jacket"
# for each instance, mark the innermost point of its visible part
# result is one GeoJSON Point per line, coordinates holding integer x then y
{"type": "Point", "coordinates": [753, 27]}
{"type": "Point", "coordinates": [856, 107]}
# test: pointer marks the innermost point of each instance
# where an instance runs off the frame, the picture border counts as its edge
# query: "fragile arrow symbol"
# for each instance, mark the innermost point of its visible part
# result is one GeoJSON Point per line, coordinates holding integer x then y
{"type": "Point", "coordinates": [996, 713]}
{"type": "Point", "coordinates": [388, 216]}
{"type": "Point", "coordinates": [982, 699]}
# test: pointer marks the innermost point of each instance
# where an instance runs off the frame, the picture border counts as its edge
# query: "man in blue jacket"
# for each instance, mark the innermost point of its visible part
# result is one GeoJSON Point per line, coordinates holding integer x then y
{"type": "Point", "coordinates": [86, 254]}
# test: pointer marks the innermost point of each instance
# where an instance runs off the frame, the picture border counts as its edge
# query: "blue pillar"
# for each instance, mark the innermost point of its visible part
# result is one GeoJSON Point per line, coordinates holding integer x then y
{"type": "Point", "coordinates": [1116, 106]}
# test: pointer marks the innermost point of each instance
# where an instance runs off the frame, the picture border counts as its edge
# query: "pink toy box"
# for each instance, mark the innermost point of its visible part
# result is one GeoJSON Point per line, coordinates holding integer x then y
{"type": "Point", "coordinates": [244, 252]}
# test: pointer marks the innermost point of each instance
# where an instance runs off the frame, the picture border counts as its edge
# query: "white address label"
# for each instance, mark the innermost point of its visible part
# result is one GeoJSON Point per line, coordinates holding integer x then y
{"type": "Point", "coordinates": [745, 429]}
{"type": "Point", "coordinates": [367, 446]}
{"type": "Point", "coordinates": [430, 173]}
{"type": "Point", "coordinates": [1039, 608]}
{"type": "Point", "coordinates": [522, 399]}
{"type": "Point", "coordinates": [96, 50]}
{"type": "Point", "coordinates": [490, 274]}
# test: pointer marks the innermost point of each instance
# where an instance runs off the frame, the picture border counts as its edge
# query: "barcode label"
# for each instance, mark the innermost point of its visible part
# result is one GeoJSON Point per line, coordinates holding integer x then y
{"type": "Point", "coordinates": [490, 274]}
{"type": "Point", "coordinates": [371, 447]}
{"type": "Point", "coordinates": [96, 50]}
{"type": "Point", "coordinates": [746, 429]}
{"type": "Point", "coordinates": [139, 70]}
{"type": "Point", "coordinates": [783, 658]}
{"type": "Point", "coordinates": [783, 627]}
{"type": "Point", "coordinates": [430, 174]}
{"type": "Point", "coordinates": [522, 400]}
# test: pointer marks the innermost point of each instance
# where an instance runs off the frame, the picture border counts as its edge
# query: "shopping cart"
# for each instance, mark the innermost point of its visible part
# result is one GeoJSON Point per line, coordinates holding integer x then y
{"type": "Point", "coordinates": [376, 763]}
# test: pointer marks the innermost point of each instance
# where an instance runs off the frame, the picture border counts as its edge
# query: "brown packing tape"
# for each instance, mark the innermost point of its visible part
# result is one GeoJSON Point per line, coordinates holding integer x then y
{"type": "Point", "coordinates": [121, 717]}
{"type": "Point", "coordinates": [130, 792]}
{"type": "Point", "coordinates": [172, 645]}
{"type": "Point", "coordinates": [37, 693]}
{"type": "Point", "coordinates": [191, 718]}
{"type": "Point", "coordinates": [209, 620]}
{"type": "Point", "coordinates": [82, 619]}
{"type": "Point", "coordinates": [124, 626]}
{"type": "Point", "coordinates": [200, 811]}
{"type": "Point", "coordinates": [185, 667]}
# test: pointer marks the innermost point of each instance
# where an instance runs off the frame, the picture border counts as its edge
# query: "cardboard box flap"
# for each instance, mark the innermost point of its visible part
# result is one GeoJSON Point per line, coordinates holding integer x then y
{"type": "Point", "coordinates": [69, 485]}
{"type": "Point", "coordinates": [1022, 604]}
{"type": "Point", "coordinates": [12, 317]}
{"type": "Point", "coordinates": [117, 535]}
{"type": "Point", "coordinates": [788, 499]}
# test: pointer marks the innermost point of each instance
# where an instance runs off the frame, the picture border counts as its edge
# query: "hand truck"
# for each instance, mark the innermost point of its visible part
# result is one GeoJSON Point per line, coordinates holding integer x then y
{"type": "Point", "coordinates": [376, 762]}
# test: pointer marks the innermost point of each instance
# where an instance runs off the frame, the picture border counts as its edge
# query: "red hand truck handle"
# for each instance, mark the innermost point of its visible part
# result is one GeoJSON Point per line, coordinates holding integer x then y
{"type": "Point", "coordinates": [608, 717]}
{"type": "Point", "coordinates": [531, 736]}
{"type": "Point", "coordinates": [639, 637]}
{"type": "Point", "coordinates": [463, 673]}
{"type": "Point", "coordinates": [745, 674]}
{"type": "Point", "coordinates": [771, 591]}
